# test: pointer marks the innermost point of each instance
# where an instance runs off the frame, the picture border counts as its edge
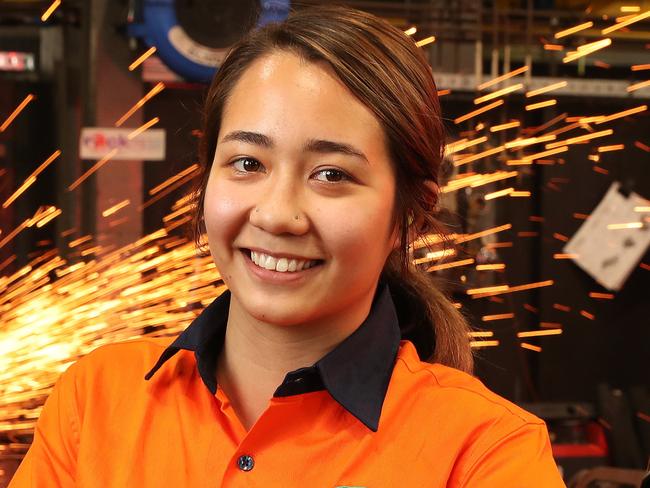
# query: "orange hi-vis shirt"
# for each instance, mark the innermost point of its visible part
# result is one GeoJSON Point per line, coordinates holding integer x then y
{"type": "Point", "coordinates": [105, 426]}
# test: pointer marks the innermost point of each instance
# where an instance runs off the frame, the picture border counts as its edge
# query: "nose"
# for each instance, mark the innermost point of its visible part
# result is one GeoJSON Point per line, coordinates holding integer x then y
{"type": "Point", "coordinates": [279, 208]}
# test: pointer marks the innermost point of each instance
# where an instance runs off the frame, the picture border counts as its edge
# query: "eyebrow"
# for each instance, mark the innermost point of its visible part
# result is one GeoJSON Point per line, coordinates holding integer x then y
{"type": "Point", "coordinates": [320, 146]}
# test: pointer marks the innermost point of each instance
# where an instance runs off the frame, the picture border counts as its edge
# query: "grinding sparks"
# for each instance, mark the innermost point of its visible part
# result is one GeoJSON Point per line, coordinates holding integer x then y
{"type": "Point", "coordinates": [478, 111]}
{"type": "Point", "coordinates": [546, 89]}
{"type": "Point", "coordinates": [498, 194]}
{"type": "Point", "coordinates": [639, 67]}
{"type": "Point", "coordinates": [463, 262]}
{"type": "Point", "coordinates": [50, 10]}
{"type": "Point", "coordinates": [503, 77]}
{"type": "Point", "coordinates": [142, 58]}
{"type": "Point", "coordinates": [637, 86]}
{"type": "Point", "coordinates": [31, 178]}
{"type": "Point", "coordinates": [539, 333]}
{"type": "Point", "coordinates": [410, 31]}
{"type": "Point", "coordinates": [425, 41]}
{"type": "Point", "coordinates": [94, 168]}
{"type": "Point", "coordinates": [142, 128]}
{"type": "Point", "coordinates": [154, 91]}
{"type": "Point", "coordinates": [474, 344]}
{"type": "Point", "coordinates": [501, 316]}
{"type": "Point", "coordinates": [531, 347]}
{"type": "Point", "coordinates": [627, 225]}
{"type": "Point", "coordinates": [573, 30]}
{"type": "Point", "coordinates": [535, 106]}
{"type": "Point", "coordinates": [587, 49]}
{"type": "Point", "coordinates": [111, 210]}
{"type": "Point", "coordinates": [15, 113]}
{"type": "Point", "coordinates": [621, 114]}
{"type": "Point", "coordinates": [498, 93]}
{"type": "Point", "coordinates": [508, 125]}
{"type": "Point", "coordinates": [625, 23]}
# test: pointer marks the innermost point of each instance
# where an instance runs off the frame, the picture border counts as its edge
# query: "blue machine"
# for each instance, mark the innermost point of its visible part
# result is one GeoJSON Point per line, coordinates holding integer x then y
{"type": "Point", "coordinates": [159, 27]}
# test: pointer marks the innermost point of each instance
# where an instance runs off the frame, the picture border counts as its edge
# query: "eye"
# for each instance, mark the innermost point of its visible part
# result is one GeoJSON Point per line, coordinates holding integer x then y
{"type": "Point", "coordinates": [331, 175]}
{"type": "Point", "coordinates": [247, 165]}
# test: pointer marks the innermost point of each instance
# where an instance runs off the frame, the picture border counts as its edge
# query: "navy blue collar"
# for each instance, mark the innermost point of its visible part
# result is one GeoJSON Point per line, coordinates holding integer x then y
{"type": "Point", "coordinates": [356, 373]}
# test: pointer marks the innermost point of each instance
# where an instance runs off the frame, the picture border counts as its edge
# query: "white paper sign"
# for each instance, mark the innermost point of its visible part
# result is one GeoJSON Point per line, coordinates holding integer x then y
{"type": "Point", "coordinates": [96, 142]}
{"type": "Point", "coordinates": [606, 252]}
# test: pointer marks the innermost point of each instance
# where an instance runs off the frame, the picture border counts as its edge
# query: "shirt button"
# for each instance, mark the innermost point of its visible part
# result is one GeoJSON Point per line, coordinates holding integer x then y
{"type": "Point", "coordinates": [245, 462]}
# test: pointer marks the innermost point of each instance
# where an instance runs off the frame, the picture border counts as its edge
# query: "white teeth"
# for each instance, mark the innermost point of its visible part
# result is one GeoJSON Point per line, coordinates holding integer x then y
{"type": "Point", "coordinates": [282, 265]}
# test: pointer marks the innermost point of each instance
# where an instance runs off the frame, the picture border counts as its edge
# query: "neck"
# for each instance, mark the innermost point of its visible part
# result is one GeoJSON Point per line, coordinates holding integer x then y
{"type": "Point", "coordinates": [256, 355]}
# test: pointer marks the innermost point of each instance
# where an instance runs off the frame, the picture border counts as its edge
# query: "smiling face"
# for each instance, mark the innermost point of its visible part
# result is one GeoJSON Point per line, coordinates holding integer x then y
{"type": "Point", "coordinates": [301, 173]}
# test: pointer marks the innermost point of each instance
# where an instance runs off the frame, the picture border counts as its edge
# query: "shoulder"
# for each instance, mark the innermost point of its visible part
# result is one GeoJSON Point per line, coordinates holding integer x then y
{"type": "Point", "coordinates": [450, 390]}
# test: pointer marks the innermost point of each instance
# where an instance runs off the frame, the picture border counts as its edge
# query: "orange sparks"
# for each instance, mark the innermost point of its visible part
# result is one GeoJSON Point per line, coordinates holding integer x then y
{"type": "Point", "coordinates": [142, 58]}
{"type": "Point", "coordinates": [155, 90]}
{"type": "Point", "coordinates": [530, 308]}
{"type": "Point", "coordinates": [586, 49]}
{"type": "Point", "coordinates": [463, 262]}
{"type": "Point", "coordinates": [588, 315]}
{"type": "Point", "coordinates": [50, 10]}
{"type": "Point", "coordinates": [487, 289]}
{"type": "Point", "coordinates": [630, 8]}
{"type": "Point", "coordinates": [539, 333]}
{"type": "Point", "coordinates": [535, 106]}
{"type": "Point", "coordinates": [527, 233]}
{"type": "Point", "coordinates": [532, 347]}
{"type": "Point", "coordinates": [477, 235]}
{"type": "Point", "coordinates": [561, 308]}
{"type": "Point", "coordinates": [31, 178]}
{"type": "Point", "coordinates": [410, 31]}
{"type": "Point", "coordinates": [483, 343]}
{"type": "Point", "coordinates": [490, 267]}
{"type": "Point", "coordinates": [644, 266]}
{"type": "Point", "coordinates": [458, 146]}
{"type": "Point", "coordinates": [639, 67]}
{"type": "Point", "coordinates": [442, 93]}
{"type": "Point", "coordinates": [643, 416]}
{"type": "Point", "coordinates": [498, 245]}
{"type": "Point", "coordinates": [519, 194]}
{"type": "Point", "coordinates": [425, 41]}
{"type": "Point", "coordinates": [481, 333]}
{"type": "Point", "coordinates": [626, 225]}
{"type": "Point", "coordinates": [15, 113]}
{"type": "Point", "coordinates": [565, 256]}
{"type": "Point", "coordinates": [573, 30]}
{"type": "Point", "coordinates": [498, 93]}
{"type": "Point", "coordinates": [116, 207]}
{"type": "Point", "coordinates": [613, 147]}
{"type": "Point", "coordinates": [643, 147]}
{"type": "Point", "coordinates": [579, 139]}
{"type": "Point", "coordinates": [175, 178]}
{"type": "Point", "coordinates": [625, 23]}
{"type": "Point", "coordinates": [80, 240]}
{"type": "Point", "coordinates": [546, 89]}
{"type": "Point", "coordinates": [624, 113]}
{"type": "Point", "coordinates": [600, 170]}
{"type": "Point", "coordinates": [637, 86]}
{"type": "Point", "coordinates": [49, 216]}
{"type": "Point", "coordinates": [481, 155]}
{"type": "Point", "coordinates": [497, 194]}
{"type": "Point", "coordinates": [478, 111]}
{"type": "Point", "coordinates": [543, 154]}
{"type": "Point", "coordinates": [553, 47]}
{"type": "Point", "coordinates": [142, 128]}
{"type": "Point", "coordinates": [500, 316]}
{"type": "Point", "coordinates": [604, 296]}
{"type": "Point", "coordinates": [560, 237]}
{"type": "Point", "coordinates": [503, 77]}
{"type": "Point", "coordinates": [95, 167]}
{"type": "Point", "coordinates": [508, 125]}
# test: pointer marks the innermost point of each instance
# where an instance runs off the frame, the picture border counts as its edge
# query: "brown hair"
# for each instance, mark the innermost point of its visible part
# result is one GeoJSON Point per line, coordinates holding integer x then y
{"type": "Point", "coordinates": [389, 74]}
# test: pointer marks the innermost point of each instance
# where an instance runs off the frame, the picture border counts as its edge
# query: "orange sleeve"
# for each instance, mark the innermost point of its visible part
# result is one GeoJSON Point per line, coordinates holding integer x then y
{"type": "Point", "coordinates": [51, 459]}
{"type": "Point", "coordinates": [522, 458]}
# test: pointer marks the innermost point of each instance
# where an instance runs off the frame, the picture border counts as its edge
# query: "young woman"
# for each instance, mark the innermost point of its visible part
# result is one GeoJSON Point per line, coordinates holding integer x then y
{"type": "Point", "coordinates": [322, 144]}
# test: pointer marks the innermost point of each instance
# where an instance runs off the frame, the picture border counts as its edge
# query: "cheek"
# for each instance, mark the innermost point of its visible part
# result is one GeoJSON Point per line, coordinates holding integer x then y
{"type": "Point", "coordinates": [223, 211]}
{"type": "Point", "coordinates": [359, 232]}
